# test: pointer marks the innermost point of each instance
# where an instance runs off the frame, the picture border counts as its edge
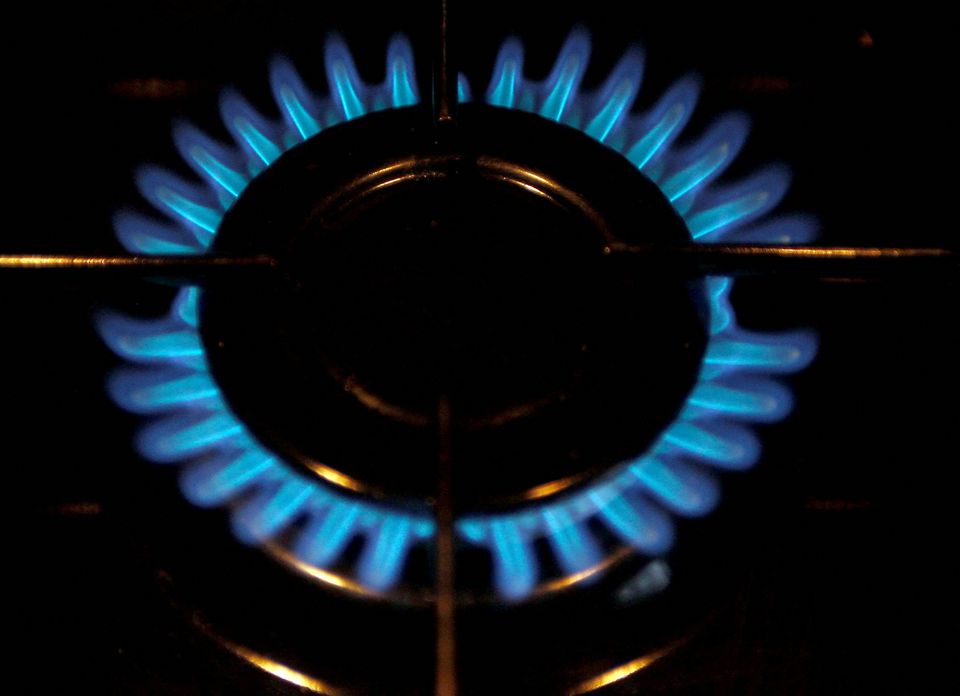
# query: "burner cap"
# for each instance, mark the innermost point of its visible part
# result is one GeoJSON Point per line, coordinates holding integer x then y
{"type": "Point", "coordinates": [471, 271]}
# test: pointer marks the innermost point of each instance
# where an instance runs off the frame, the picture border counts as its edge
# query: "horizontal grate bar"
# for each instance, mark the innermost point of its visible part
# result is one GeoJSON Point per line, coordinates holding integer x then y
{"type": "Point", "coordinates": [185, 270]}
{"type": "Point", "coordinates": [795, 261]}
{"type": "Point", "coordinates": [912, 263]}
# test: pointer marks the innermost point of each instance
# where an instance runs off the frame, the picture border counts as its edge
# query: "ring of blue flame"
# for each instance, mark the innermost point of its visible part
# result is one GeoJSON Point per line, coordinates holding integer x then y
{"type": "Point", "coordinates": [169, 378]}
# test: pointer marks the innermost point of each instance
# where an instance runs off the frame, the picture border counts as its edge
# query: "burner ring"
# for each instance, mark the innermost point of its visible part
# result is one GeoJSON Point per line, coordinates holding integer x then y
{"type": "Point", "coordinates": [375, 541]}
{"type": "Point", "coordinates": [413, 269]}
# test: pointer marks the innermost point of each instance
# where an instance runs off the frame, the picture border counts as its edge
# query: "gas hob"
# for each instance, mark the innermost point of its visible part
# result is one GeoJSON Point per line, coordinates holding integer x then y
{"type": "Point", "coordinates": [838, 529]}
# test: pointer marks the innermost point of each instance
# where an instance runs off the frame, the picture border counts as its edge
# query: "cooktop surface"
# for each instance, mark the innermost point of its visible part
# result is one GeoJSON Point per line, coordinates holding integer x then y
{"type": "Point", "coordinates": [820, 569]}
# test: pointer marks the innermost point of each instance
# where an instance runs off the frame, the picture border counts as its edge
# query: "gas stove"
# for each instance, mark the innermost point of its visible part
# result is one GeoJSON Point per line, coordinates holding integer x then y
{"type": "Point", "coordinates": [814, 571]}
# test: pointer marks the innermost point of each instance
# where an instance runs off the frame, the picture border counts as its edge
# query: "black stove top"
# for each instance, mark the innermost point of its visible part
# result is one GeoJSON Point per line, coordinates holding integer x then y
{"type": "Point", "coordinates": [818, 572]}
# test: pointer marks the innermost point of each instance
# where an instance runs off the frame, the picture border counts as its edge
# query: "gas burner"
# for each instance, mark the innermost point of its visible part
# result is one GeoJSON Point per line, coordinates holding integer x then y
{"type": "Point", "coordinates": [457, 271]}
{"type": "Point", "coordinates": [468, 270]}
{"type": "Point", "coordinates": [594, 567]}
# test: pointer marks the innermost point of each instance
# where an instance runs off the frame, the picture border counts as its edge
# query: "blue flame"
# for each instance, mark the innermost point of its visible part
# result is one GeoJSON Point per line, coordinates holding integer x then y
{"type": "Point", "coordinates": [224, 464]}
{"type": "Point", "coordinates": [734, 386]}
{"type": "Point", "coordinates": [564, 80]}
{"type": "Point", "coordinates": [616, 97]}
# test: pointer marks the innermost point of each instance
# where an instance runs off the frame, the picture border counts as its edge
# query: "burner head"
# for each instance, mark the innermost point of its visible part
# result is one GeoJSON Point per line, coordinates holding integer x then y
{"type": "Point", "coordinates": [471, 270]}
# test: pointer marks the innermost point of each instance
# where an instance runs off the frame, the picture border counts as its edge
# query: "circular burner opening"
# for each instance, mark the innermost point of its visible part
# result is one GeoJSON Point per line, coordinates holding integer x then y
{"type": "Point", "coordinates": [471, 272]}
{"type": "Point", "coordinates": [462, 284]}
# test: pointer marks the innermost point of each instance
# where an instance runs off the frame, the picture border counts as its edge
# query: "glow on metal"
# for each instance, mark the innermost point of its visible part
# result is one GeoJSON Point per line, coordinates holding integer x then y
{"type": "Point", "coordinates": [621, 672]}
{"type": "Point", "coordinates": [585, 575]}
{"type": "Point", "coordinates": [545, 490]}
{"type": "Point", "coordinates": [314, 571]}
{"type": "Point", "coordinates": [337, 478]}
{"type": "Point", "coordinates": [282, 671]}
{"type": "Point", "coordinates": [310, 520]}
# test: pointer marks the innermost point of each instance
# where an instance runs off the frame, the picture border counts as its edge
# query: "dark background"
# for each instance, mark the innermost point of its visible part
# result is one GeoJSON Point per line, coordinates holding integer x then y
{"type": "Point", "coordinates": [853, 548]}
